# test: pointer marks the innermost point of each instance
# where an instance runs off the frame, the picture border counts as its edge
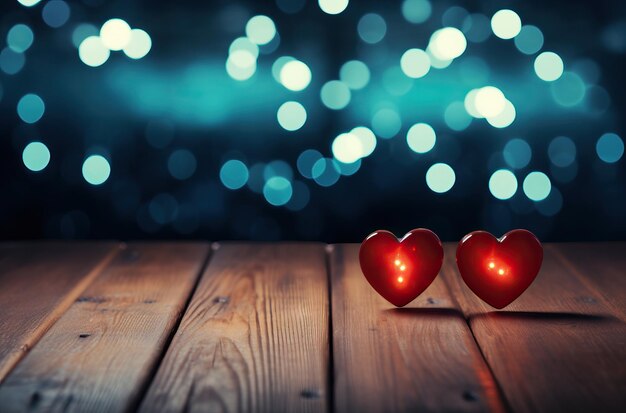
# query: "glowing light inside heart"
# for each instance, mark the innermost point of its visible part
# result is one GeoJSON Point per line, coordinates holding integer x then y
{"type": "Point", "coordinates": [498, 267]}
{"type": "Point", "coordinates": [401, 268]}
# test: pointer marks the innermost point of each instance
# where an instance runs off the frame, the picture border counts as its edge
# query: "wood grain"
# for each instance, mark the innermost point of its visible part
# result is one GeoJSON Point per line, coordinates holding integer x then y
{"type": "Point", "coordinates": [557, 348]}
{"type": "Point", "coordinates": [100, 353]}
{"type": "Point", "coordinates": [602, 267]}
{"type": "Point", "coordinates": [418, 358]}
{"type": "Point", "coordinates": [254, 338]}
{"type": "Point", "coordinates": [38, 282]}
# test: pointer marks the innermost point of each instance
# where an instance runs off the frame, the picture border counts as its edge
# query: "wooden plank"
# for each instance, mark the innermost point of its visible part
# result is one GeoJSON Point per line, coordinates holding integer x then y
{"type": "Point", "coordinates": [601, 266]}
{"type": "Point", "coordinates": [557, 348]}
{"type": "Point", "coordinates": [101, 352]}
{"type": "Point", "coordinates": [418, 358]}
{"type": "Point", "coordinates": [255, 335]}
{"type": "Point", "coordinates": [38, 282]}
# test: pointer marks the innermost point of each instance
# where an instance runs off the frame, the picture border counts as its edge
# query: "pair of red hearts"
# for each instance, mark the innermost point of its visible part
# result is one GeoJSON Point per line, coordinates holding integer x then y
{"type": "Point", "coordinates": [496, 270]}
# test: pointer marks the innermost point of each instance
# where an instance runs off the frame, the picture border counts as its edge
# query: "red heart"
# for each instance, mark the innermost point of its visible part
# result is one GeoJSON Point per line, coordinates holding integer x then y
{"type": "Point", "coordinates": [401, 270]}
{"type": "Point", "coordinates": [499, 270]}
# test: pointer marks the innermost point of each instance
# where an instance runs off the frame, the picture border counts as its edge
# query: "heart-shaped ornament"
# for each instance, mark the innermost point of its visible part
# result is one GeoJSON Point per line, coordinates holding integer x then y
{"type": "Point", "coordinates": [499, 270]}
{"type": "Point", "coordinates": [401, 270]}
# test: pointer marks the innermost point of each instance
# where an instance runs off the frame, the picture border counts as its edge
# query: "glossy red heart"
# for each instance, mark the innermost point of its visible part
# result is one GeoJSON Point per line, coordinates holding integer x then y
{"type": "Point", "coordinates": [499, 270]}
{"type": "Point", "coordinates": [401, 270]}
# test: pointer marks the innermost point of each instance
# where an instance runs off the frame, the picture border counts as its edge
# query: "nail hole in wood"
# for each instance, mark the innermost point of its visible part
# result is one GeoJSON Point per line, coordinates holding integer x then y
{"type": "Point", "coordinates": [84, 335]}
{"type": "Point", "coordinates": [221, 300]}
{"type": "Point", "coordinates": [88, 299]}
{"type": "Point", "coordinates": [310, 394]}
{"type": "Point", "coordinates": [470, 396]}
{"type": "Point", "coordinates": [35, 399]}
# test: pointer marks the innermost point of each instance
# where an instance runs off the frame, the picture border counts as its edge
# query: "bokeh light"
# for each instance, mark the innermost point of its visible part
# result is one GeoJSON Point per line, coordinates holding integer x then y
{"type": "Point", "coordinates": [506, 24]}
{"type": "Point", "coordinates": [306, 160]}
{"type": "Point", "coordinates": [447, 43]}
{"type": "Point", "coordinates": [456, 117]}
{"type": "Point", "coordinates": [504, 118]}
{"type": "Point", "coordinates": [355, 74]}
{"type": "Point", "coordinates": [278, 168]}
{"type": "Point", "coordinates": [295, 75]}
{"type": "Point", "coordinates": [83, 31]}
{"type": "Point", "coordinates": [277, 190]}
{"type": "Point", "coordinates": [256, 180]}
{"type": "Point", "coordinates": [19, 38]}
{"type": "Point", "coordinates": [260, 29]}
{"type": "Point", "coordinates": [403, 70]}
{"type": "Point", "coordinates": [552, 204]}
{"type": "Point", "coordinates": [335, 95]}
{"type": "Point", "coordinates": [234, 174]}
{"type": "Point", "coordinates": [55, 13]}
{"type": "Point", "coordinates": [291, 116]}
{"type": "Point", "coordinates": [372, 28]}
{"type": "Point", "coordinates": [517, 153]}
{"type": "Point", "coordinates": [537, 186]}
{"type": "Point", "coordinates": [182, 164]}
{"type": "Point", "coordinates": [470, 103]}
{"type": "Point", "coordinates": [347, 148]}
{"type": "Point", "coordinates": [440, 178]}
{"type": "Point", "coordinates": [243, 43]}
{"type": "Point", "coordinates": [115, 34]}
{"type": "Point", "coordinates": [11, 62]}
{"type": "Point", "coordinates": [93, 52]}
{"type": "Point", "coordinates": [454, 16]}
{"type": "Point", "coordinates": [503, 184]}
{"type": "Point", "coordinates": [562, 151]}
{"type": "Point", "coordinates": [290, 6]}
{"type": "Point", "coordinates": [477, 27]}
{"type": "Point", "coordinates": [386, 123]}
{"type": "Point", "coordinates": [96, 169]}
{"type": "Point", "coordinates": [490, 101]}
{"type": "Point", "coordinates": [549, 66]}
{"type": "Point", "coordinates": [278, 64]}
{"type": "Point", "coordinates": [30, 108]}
{"type": "Point", "coordinates": [529, 40]}
{"type": "Point", "coordinates": [333, 6]}
{"type": "Point", "coordinates": [28, 3]}
{"type": "Point", "coordinates": [568, 90]}
{"type": "Point", "coordinates": [416, 11]}
{"type": "Point", "coordinates": [421, 138]}
{"type": "Point", "coordinates": [610, 148]}
{"type": "Point", "coordinates": [300, 197]}
{"type": "Point", "coordinates": [139, 44]}
{"type": "Point", "coordinates": [348, 169]}
{"type": "Point", "coordinates": [326, 172]}
{"type": "Point", "coordinates": [366, 138]}
{"type": "Point", "coordinates": [415, 63]}
{"type": "Point", "coordinates": [36, 156]}
{"type": "Point", "coordinates": [241, 65]}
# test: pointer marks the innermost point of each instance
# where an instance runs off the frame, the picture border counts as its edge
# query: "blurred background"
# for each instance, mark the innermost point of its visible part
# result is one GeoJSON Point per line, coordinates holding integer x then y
{"type": "Point", "coordinates": [311, 120]}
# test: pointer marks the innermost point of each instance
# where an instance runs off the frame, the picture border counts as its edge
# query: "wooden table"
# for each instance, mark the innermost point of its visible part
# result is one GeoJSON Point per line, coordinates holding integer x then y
{"type": "Point", "coordinates": [189, 327]}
